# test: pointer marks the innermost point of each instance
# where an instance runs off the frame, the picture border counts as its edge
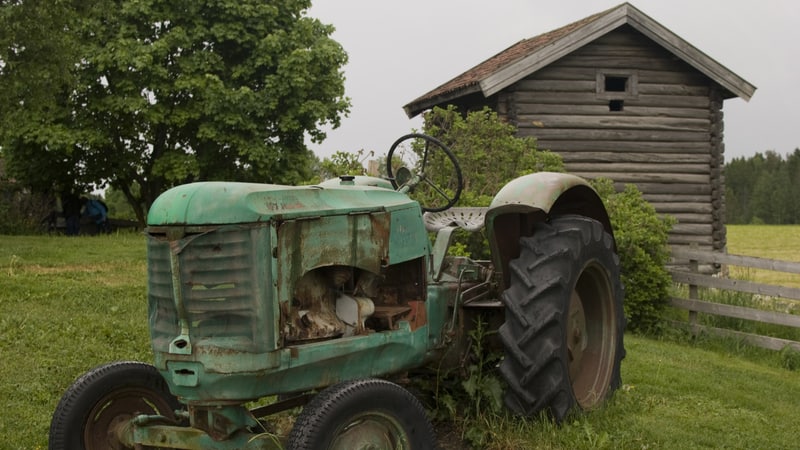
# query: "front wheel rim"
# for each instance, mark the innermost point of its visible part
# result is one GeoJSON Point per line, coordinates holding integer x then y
{"type": "Point", "coordinates": [114, 410]}
{"type": "Point", "coordinates": [371, 431]}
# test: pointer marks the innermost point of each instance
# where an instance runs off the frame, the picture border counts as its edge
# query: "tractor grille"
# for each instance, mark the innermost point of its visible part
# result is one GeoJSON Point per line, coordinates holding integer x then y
{"type": "Point", "coordinates": [219, 286]}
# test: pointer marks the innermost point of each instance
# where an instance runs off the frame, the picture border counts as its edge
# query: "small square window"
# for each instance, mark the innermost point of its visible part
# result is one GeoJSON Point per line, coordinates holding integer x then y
{"type": "Point", "coordinates": [616, 84]}
{"type": "Point", "coordinates": [616, 105]}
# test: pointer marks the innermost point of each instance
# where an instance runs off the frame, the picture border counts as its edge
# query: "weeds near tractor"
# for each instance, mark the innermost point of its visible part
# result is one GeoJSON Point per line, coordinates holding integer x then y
{"type": "Point", "coordinates": [469, 397]}
{"type": "Point", "coordinates": [482, 386]}
{"type": "Point", "coordinates": [70, 304]}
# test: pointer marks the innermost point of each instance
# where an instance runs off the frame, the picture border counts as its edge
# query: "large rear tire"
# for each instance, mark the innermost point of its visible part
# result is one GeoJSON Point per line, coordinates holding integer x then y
{"type": "Point", "coordinates": [363, 414]}
{"type": "Point", "coordinates": [102, 399]}
{"type": "Point", "coordinates": [564, 319]}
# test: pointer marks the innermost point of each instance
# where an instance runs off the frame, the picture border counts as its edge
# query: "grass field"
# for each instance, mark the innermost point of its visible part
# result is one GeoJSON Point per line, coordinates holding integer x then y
{"type": "Point", "coordinates": [766, 241]}
{"type": "Point", "coordinates": [69, 304]}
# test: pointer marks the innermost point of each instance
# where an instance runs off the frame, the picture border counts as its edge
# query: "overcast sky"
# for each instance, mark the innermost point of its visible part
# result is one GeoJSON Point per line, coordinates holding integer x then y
{"type": "Point", "coordinates": [399, 50]}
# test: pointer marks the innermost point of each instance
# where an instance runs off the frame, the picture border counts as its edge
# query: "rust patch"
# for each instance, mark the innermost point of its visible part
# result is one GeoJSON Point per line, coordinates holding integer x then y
{"type": "Point", "coordinates": [418, 315]}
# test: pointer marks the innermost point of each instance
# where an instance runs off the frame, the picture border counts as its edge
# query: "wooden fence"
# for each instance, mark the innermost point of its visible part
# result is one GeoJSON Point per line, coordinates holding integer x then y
{"type": "Point", "coordinates": [695, 279]}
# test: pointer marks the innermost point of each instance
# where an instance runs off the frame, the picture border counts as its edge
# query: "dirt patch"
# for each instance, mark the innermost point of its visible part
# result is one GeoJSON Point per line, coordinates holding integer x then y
{"type": "Point", "coordinates": [449, 438]}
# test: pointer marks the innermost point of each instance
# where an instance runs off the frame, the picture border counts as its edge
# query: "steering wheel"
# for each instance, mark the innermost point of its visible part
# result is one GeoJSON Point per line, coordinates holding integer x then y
{"type": "Point", "coordinates": [435, 190]}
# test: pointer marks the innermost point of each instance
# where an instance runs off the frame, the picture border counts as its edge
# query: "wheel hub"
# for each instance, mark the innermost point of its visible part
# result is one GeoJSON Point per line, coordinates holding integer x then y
{"type": "Point", "coordinates": [591, 341]}
{"type": "Point", "coordinates": [111, 413]}
{"type": "Point", "coordinates": [577, 338]}
{"type": "Point", "coordinates": [371, 431]}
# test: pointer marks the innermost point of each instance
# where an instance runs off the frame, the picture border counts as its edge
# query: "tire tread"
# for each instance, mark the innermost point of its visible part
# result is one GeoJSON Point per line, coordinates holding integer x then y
{"type": "Point", "coordinates": [536, 304]}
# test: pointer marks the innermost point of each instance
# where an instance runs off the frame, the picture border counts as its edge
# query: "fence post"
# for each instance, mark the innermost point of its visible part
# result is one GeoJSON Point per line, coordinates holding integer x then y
{"type": "Point", "coordinates": [693, 294]}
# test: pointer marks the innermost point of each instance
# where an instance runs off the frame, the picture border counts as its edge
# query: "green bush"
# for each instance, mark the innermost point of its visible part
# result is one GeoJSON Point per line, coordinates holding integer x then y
{"type": "Point", "coordinates": [482, 140]}
{"type": "Point", "coordinates": [20, 211]}
{"type": "Point", "coordinates": [641, 237]}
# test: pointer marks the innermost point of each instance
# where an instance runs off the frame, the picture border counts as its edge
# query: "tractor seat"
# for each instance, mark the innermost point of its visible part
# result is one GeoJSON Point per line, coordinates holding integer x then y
{"type": "Point", "coordinates": [470, 219]}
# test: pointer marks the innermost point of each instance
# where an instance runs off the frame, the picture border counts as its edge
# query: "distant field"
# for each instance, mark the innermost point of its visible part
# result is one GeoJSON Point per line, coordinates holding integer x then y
{"type": "Point", "coordinates": [766, 241]}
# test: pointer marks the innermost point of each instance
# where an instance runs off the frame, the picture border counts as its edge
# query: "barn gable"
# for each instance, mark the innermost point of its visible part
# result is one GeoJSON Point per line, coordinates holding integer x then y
{"type": "Point", "coordinates": [530, 55]}
{"type": "Point", "coordinates": [619, 96]}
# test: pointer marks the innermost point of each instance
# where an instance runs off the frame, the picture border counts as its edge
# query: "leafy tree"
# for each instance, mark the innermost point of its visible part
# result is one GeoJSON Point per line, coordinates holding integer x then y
{"type": "Point", "coordinates": [738, 190]}
{"type": "Point", "coordinates": [118, 206]}
{"type": "Point", "coordinates": [482, 140]}
{"type": "Point", "coordinates": [793, 171]}
{"type": "Point", "coordinates": [479, 139]}
{"type": "Point", "coordinates": [37, 55]}
{"type": "Point", "coordinates": [770, 193]}
{"type": "Point", "coordinates": [764, 188]}
{"type": "Point", "coordinates": [340, 163]}
{"type": "Point", "coordinates": [156, 93]}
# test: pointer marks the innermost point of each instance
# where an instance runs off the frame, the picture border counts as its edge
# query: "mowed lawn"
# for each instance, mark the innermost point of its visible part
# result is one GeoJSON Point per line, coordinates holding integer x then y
{"type": "Point", "coordinates": [69, 304]}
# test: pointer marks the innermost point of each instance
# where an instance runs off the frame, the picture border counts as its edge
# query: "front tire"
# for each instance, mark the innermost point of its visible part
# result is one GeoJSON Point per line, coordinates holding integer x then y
{"type": "Point", "coordinates": [363, 414]}
{"type": "Point", "coordinates": [102, 399]}
{"type": "Point", "coordinates": [564, 319]}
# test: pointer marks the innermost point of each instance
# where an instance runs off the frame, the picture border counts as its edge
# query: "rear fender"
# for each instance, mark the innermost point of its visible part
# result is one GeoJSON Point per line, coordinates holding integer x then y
{"type": "Point", "coordinates": [533, 198]}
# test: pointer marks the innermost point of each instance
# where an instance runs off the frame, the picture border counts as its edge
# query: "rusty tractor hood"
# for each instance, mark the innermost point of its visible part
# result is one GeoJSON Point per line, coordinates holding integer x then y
{"type": "Point", "coordinates": [209, 203]}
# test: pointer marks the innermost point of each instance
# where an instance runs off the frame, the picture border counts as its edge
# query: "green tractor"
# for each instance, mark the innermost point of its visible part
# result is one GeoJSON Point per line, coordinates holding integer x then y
{"type": "Point", "coordinates": [327, 296]}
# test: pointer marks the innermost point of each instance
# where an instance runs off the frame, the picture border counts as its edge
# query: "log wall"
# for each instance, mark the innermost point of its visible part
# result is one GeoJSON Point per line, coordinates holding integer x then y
{"type": "Point", "coordinates": [666, 139]}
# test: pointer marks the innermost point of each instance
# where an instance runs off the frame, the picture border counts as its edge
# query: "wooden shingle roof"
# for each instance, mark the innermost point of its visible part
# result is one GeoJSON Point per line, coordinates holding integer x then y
{"type": "Point", "coordinates": [529, 55]}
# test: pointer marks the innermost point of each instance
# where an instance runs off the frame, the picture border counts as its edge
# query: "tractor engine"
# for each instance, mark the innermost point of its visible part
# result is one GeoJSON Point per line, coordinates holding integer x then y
{"type": "Point", "coordinates": [340, 301]}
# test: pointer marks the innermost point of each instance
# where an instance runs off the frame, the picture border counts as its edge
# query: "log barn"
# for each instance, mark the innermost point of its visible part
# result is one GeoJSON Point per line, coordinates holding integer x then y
{"type": "Point", "coordinates": [620, 96]}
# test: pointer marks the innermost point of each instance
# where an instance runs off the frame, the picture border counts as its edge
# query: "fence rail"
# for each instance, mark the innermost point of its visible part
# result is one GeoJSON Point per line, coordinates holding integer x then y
{"type": "Point", "coordinates": [694, 279]}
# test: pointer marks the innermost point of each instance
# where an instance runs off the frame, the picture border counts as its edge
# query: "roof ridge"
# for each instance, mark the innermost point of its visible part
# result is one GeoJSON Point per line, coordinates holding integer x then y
{"type": "Point", "coordinates": [529, 55]}
{"type": "Point", "coordinates": [511, 54]}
